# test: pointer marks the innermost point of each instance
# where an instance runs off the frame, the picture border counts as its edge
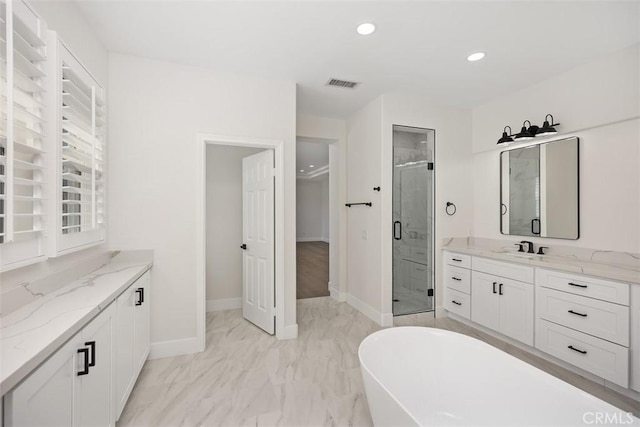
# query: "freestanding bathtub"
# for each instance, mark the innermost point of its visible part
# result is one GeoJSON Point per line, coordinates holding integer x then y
{"type": "Point", "coordinates": [432, 377]}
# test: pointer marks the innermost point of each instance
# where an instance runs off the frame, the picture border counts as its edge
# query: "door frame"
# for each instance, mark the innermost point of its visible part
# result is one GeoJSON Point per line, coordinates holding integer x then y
{"type": "Point", "coordinates": [204, 139]}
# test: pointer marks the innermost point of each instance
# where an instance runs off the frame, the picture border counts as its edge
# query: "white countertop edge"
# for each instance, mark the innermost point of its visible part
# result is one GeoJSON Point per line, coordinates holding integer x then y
{"type": "Point", "coordinates": [599, 270]}
{"type": "Point", "coordinates": [10, 379]}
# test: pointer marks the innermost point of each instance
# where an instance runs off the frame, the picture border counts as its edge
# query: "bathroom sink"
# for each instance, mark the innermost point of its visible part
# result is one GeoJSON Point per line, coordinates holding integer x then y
{"type": "Point", "coordinates": [519, 255]}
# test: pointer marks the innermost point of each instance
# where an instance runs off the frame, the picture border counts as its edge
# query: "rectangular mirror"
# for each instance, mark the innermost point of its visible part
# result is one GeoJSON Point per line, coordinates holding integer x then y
{"type": "Point", "coordinates": [539, 188]}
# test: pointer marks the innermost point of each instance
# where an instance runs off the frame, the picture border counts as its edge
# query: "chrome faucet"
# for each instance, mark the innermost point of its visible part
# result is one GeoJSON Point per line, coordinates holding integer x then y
{"type": "Point", "coordinates": [529, 245]}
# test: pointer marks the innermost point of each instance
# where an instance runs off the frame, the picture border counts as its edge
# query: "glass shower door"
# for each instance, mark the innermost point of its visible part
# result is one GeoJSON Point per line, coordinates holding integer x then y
{"type": "Point", "coordinates": [413, 197]}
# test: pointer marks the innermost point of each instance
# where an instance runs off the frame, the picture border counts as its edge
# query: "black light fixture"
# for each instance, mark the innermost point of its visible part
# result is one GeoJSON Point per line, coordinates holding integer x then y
{"type": "Point", "coordinates": [525, 133]}
{"type": "Point", "coordinates": [506, 138]}
{"type": "Point", "coordinates": [548, 129]}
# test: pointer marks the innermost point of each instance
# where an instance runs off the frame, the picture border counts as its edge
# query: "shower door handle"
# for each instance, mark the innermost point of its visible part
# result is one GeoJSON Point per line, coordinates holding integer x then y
{"type": "Point", "coordinates": [397, 230]}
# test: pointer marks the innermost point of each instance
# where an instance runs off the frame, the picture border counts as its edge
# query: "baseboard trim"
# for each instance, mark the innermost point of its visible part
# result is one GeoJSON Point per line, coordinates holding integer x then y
{"type": "Point", "coordinates": [224, 304]}
{"type": "Point", "coordinates": [441, 312]}
{"type": "Point", "coordinates": [164, 349]}
{"type": "Point", "coordinates": [336, 294]}
{"type": "Point", "coordinates": [290, 332]}
{"type": "Point", "coordinates": [370, 312]}
{"type": "Point", "coordinates": [312, 239]}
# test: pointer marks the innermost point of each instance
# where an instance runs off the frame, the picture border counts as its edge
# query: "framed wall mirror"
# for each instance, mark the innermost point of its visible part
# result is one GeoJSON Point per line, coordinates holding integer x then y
{"type": "Point", "coordinates": [539, 190]}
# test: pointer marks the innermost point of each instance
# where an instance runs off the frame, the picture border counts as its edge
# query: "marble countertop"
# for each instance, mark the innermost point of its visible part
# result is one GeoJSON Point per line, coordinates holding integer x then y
{"type": "Point", "coordinates": [629, 273]}
{"type": "Point", "coordinates": [32, 333]}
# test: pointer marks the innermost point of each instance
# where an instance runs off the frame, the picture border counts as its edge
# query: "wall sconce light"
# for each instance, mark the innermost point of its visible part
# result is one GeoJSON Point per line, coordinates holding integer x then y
{"type": "Point", "coordinates": [548, 129]}
{"type": "Point", "coordinates": [526, 133]}
{"type": "Point", "coordinates": [506, 138]}
{"type": "Point", "coordinates": [529, 132]}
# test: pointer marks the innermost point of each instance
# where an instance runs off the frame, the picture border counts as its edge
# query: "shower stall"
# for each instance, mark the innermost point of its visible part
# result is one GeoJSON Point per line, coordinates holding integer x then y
{"type": "Point", "coordinates": [413, 220]}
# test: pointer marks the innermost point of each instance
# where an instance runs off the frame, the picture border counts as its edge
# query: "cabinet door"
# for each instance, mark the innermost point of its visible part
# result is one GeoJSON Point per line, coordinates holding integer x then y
{"type": "Point", "coordinates": [484, 301]}
{"type": "Point", "coordinates": [46, 396]}
{"type": "Point", "coordinates": [142, 313]}
{"type": "Point", "coordinates": [516, 310]}
{"type": "Point", "coordinates": [96, 399]}
{"type": "Point", "coordinates": [124, 347]}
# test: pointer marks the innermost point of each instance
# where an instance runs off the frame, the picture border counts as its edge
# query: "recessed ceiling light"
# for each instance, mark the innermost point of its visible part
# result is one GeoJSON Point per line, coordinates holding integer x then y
{"type": "Point", "coordinates": [475, 56]}
{"type": "Point", "coordinates": [311, 166]}
{"type": "Point", "coordinates": [365, 28]}
{"type": "Point", "coordinates": [301, 170]}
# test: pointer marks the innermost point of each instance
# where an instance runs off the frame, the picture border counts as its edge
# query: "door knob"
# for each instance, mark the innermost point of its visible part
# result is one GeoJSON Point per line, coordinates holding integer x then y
{"type": "Point", "coordinates": [243, 247]}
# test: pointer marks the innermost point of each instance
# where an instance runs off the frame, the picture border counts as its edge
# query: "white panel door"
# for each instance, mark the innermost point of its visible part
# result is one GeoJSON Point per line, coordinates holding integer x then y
{"type": "Point", "coordinates": [516, 310]}
{"type": "Point", "coordinates": [258, 240]}
{"type": "Point", "coordinates": [124, 364]}
{"type": "Point", "coordinates": [141, 336]}
{"type": "Point", "coordinates": [484, 300]}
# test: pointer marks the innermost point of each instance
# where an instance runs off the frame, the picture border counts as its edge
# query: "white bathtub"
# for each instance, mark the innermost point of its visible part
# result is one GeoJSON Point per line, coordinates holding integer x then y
{"type": "Point", "coordinates": [431, 377]}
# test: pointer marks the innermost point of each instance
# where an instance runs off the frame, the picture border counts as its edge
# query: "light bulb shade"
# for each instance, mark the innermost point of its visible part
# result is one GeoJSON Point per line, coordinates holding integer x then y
{"type": "Point", "coordinates": [505, 138]}
{"type": "Point", "coordinates": [548, 128]}
{"type": "Point", "coordinates": [524, 134]}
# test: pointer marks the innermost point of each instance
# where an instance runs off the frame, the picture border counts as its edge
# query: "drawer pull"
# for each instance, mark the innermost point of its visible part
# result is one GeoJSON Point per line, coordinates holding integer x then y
{"type": "Point", "coordinates": [494, 287]}
{"type": "Point", "coordinates": [456, 259]}
{"type": "Point", "coordinates": [577, 314]}
{"type": "Point", "coordinates": [457, 279]}
{"type": "Point", "coordinates": [577, 285]}
{"type": "Point", "coordinates": [456, 302]}
{"type": "Point", "coordinates": [578, 350]}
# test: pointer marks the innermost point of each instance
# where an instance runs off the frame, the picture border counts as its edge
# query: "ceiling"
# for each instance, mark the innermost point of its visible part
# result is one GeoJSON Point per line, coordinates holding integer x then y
{"type": "Point", "coordinates": [311, 153]}
{"type": "Point", "coordinates": [419, 46]}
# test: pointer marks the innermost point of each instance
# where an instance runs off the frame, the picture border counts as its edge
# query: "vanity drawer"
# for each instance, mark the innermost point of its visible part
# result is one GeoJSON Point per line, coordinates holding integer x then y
{"type": "Point", "coordinates": [458, 303]}
{"type": "Point", "coordinates": [457, 259]}
{"type": "Point", "coordinates": [599, 318]}
{"type": "Point", "coordinates": [602, 358]}
{"type": "Point", "coordinates": [605, 290]}
{"type": "Point", "coordinates": [458, 278]}
{"type": "Point", "coordinates": [521, 273]}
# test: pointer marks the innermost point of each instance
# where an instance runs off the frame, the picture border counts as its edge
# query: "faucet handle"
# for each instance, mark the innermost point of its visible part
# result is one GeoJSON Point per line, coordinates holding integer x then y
{"type": "Point", "coordinates": [520, 247]}
{"type": "Point", "coordinates": [541, 250]}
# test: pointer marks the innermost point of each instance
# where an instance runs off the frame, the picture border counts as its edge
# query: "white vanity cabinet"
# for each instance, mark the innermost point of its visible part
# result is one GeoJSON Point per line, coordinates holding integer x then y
{"type": "Point", "coordinates": [132, 338]}
{"type": "Point", "coordinates": [74, 386]}
{"type": "Point", "coordinates": [501, 303]}
{"type": "Point", "coordinates": [584, 321]}
{"type": "Point", "coordinates": [457, 279]}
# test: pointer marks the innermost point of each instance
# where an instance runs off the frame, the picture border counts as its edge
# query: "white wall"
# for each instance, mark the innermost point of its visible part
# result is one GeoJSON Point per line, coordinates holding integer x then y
{"type": "Point", "coordinates": [312, 209]}
{"type": "Point", "coordinates": [326, 226]}
{"type": "Point", "coordinates": [156, 111]}
{"type": "Point", "coordinates": [224, 221]}
{"type": "Point", "coordinates": [333, 132]}
{"type": "Point", "coordinates": [364, 255]}
{"type": "Point", "coordinates": [598, 103]}
{"type": "Point", "coordinates": [453, 172]}
{"type": "Point", "coordinates": [370, 163]}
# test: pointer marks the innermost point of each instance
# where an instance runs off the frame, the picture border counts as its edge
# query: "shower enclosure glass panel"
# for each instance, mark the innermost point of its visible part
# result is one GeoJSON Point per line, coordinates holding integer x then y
{"type": "Point", "coordinates": [413, 196]}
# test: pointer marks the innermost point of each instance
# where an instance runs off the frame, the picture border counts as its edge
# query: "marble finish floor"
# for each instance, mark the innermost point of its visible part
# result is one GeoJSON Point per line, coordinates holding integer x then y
{"type": "Point", "coordinates": [246, 377]}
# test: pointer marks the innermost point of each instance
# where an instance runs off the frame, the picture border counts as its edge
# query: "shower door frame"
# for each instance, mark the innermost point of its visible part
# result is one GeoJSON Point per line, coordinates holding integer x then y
{"type": "Point", "coordinates": [432, 257]}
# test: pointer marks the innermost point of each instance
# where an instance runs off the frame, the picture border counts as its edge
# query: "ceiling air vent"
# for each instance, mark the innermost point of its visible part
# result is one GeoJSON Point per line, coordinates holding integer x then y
{"type": "Point", "coordinates": [342, 83]}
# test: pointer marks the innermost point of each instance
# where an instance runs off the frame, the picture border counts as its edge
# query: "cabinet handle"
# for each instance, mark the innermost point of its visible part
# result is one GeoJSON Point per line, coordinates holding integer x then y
{"type": "Point", "coordinates": [456, 302]}
{"type": "Point", "coordinates": [500, 289]}
{"type": "Point", "coordinates": [457, 279]}
{"type": "Point", "coordinates": [92, 353]}
{"type": "Point", "coordinates": [494, 287]}
{"type": "Point", "coordinates": [85, 370]}
{"type": "Point", "coordinates": [578, 350]}
{"type": "Point", "coordinates": [456, 259]}
{"type": "Point", "coordinates": [577, 314]}
{"type": "Point", "coordinates": [577, 285]}
{"type": "Point", "coordinates": [140, 292]}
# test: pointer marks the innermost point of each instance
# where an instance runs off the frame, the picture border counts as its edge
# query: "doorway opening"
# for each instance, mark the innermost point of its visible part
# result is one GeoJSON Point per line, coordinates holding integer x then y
{"type": "Point", "coordinates": [312, 219]}
{"type": "Point", "coordinates": [240, 225]}
{"type": "Point", "coordinates": [413, 220]}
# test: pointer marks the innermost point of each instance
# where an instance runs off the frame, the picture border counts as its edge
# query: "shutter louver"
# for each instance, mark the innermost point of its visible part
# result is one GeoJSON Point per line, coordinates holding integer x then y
{"type": "Point", "coordinates": [22, 133]}
{"type": "Point", "coordinates": [80, 146]}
